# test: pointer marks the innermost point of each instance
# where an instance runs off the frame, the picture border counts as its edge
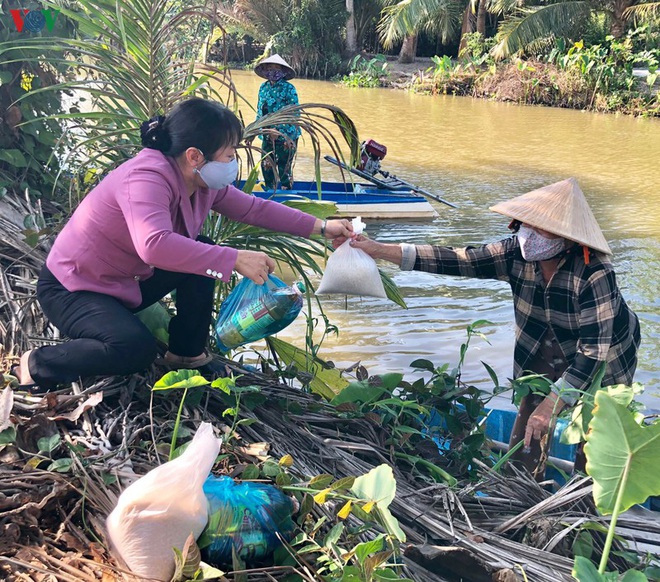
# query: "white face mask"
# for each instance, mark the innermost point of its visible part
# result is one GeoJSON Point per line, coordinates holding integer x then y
{"type": "Point", "coordinates": [536, 247]}
{"type": "Point", "coordinates": [218, 175]}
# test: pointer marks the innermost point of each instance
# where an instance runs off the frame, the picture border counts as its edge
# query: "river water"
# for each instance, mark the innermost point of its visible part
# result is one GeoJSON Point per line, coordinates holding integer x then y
{"type": "Point", "coordinates": [475, 153]}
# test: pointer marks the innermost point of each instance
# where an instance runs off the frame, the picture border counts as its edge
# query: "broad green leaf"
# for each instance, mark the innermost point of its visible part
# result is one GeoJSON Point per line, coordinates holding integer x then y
{"type": "Point", "coordinates": [326, 382]}
{"type": "Point", "coordinates": [378, 485]}
{"type": "Point", "coordinates": [180, 379]}
{"type": "Point", "coordinates": [585, 571]}
{"type": "Point", "coordinates": [622, 457]}
{"type": "Point", "coordinates": [423, 365]}
{"type": "Point", "coordinates": [358, 392]}
{"type": "Point", "coordinates": [321, 481]}
{"type": "Point", "coordinates": [60, 465]}
{"type": "Point", "coordinates": [371, 547]}
{"type": "Point", "coordinates": [333, 535]}
{"type": "Point", "coordinates": [49, 444]}
{"type": "Point", "coordinates": [8, 436]}
{"type": "Point", "coordinates": [250, 472]}
{"type": "Point", "coordinates": [13, 157]}
{"type": "Point", "coordinates": [634, 576]}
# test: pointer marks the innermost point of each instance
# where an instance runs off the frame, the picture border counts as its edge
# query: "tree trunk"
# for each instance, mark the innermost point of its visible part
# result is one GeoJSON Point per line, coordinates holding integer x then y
{"type": "Point", "coordinates": [351, 37]}
{"type": "Point", "coordinates": [618, 26]}
{"type": "Point", "coordinates": [469, 25]}
{"type": "Point", "coordinates": [481, 18]}
{"type": "Point", "coordinates": [408, 49]}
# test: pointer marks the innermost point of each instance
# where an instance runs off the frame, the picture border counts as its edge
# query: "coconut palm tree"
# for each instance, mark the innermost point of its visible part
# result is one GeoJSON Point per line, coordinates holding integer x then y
{"type": "Point", "coordinates": [533, 26]}
{"type": "Point", "coordinates": [403, 20]}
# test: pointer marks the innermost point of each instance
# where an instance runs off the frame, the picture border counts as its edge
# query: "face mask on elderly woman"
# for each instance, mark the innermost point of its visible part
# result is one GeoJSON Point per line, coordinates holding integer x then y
{"type": "Point", "coordinates": [274, 75]}
{"type": "Point", "coordinates": [536, 247]}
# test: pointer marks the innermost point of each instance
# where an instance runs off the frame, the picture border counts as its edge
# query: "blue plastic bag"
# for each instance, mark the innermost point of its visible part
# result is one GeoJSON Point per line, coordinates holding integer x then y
{"type": "Point", "coordinates": [246, 517]}
{"type": "Point", "coordinates": [252, 312]}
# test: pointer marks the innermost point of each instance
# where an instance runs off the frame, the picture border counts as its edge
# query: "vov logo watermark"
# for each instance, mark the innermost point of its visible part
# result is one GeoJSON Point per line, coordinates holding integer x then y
{"type": "Point", "coordinates": [34, 20]}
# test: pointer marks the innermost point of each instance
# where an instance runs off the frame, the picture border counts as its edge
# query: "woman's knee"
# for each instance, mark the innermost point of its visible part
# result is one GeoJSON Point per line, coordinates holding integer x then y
{"type": "Point", "coordinates": [133, 351]}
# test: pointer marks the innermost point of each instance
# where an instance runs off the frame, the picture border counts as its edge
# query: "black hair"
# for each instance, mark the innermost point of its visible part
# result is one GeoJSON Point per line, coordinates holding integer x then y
{"type": "Point", "coordinates": [197, 123]}
{"type": "Point", "coordinates": [514, 225]}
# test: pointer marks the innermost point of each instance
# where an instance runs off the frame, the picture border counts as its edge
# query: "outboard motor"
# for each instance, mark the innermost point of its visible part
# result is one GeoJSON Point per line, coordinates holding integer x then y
{"type": "Point", "coordinates": [371, 155]}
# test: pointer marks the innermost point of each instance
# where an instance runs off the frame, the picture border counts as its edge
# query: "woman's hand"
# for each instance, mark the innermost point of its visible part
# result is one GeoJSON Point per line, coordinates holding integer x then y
{"type": "Point", "coordinates": [539, 422]}
{"type": "Point", "coordinates": [338, 229]}
{"type": "Point", "coordinates": [254, 265]}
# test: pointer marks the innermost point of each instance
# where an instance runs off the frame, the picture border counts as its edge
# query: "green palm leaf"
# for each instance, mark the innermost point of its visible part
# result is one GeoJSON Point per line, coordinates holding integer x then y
{"type": "Point", "coordinates": [531, 27]}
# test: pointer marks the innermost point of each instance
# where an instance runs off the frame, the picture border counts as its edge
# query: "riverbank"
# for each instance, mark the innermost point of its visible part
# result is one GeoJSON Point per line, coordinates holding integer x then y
{"type": "Point", "coordinates": [524, 82]}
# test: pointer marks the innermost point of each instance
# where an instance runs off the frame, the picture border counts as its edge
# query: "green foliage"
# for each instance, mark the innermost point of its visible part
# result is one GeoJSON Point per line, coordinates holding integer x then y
{"type": "Point", "coordinates": [307, 32]}
{"type": "Point", "coordinates": [440, 406]}
{"type": "Point", "coordinates": [477, 49]}
{"type": "Point", "coordinates": [340, 554]}
{"type": "Point", "coordinates": [30, 142]}
{"type": "Point", "coordinates": [365, 72]}
{"type": "Point", "coordinates": [622, 459]}
{"type": "Point", "coordinates": [176, 380]}
{"type": "Point", "coordinates": [128, 62]}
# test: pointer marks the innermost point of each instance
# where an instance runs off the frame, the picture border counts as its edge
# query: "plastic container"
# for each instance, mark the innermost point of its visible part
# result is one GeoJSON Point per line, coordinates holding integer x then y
{"type": "Point", "coordinates": [245, 518]}
{"type": "Point", "coordinates": [260, 316]}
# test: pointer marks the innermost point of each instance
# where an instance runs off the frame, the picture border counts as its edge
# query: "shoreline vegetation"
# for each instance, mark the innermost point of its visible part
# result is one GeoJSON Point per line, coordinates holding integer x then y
{"type": "Point", "coordinates": [524, 82]}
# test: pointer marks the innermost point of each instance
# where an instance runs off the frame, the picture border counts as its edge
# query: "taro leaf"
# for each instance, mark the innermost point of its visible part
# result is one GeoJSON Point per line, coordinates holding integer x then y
{"type": "Point", "coordinates": [576, 431]}
{"type": "Point", "coordinates": [180, 379]}
{"type": "Point", "coordinates": [379, 486]}
{"type": "Point", "coordinates": [585, 571]}
{"type": "Point", "coordinates": [622, 457]}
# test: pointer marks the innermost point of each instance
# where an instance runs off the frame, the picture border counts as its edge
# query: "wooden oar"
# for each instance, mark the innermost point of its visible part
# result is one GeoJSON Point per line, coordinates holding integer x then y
{"type": "Point", "coordinates": [394, 183]}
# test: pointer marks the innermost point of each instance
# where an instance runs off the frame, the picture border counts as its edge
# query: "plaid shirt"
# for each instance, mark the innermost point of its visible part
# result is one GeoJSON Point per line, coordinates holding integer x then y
{"type": "Point", "coordinates": [581, 306]}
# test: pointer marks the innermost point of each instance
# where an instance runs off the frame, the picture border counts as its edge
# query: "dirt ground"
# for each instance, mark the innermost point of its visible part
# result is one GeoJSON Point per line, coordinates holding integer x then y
{"type": "Point", "coordinates": [401, 73]}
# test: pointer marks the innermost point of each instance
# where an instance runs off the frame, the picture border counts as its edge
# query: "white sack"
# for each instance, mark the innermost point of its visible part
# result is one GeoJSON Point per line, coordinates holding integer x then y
{"type": "Point", "coordinates": [161, 509]}
{"type": "Point", "coordinates": [351, 271]}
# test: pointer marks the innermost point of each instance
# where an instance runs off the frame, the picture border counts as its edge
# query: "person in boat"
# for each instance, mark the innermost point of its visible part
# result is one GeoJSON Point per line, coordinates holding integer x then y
{"type": "Point", "coordinates": [281, 143]}
{"type": "Point", "coordinates": [136, 237]}
{"type": "Point", "coordinates": [570, 316]}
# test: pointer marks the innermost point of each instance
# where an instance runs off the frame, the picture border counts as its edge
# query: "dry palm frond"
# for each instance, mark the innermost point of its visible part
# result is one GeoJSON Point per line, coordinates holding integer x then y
{"type": "Point", "coordinates": [20, 262]}
{"type": "Point", "coordinates": [114, 444]}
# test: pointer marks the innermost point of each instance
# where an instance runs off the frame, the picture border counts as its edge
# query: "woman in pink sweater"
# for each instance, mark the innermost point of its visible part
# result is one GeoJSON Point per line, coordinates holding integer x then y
{"type": "Point", "coordinates": [136, 237]}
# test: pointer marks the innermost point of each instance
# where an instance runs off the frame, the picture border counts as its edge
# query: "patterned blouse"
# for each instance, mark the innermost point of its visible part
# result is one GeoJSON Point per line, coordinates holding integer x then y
{"type": "Point", "coordinates": [272, 97]}
{"type": "Point", "coordinates": [581, 306]}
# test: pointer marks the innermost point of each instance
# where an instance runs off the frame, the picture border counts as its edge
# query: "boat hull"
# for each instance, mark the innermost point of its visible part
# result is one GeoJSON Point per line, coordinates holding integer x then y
{"type": "Point", "coordinates": [359, 200]}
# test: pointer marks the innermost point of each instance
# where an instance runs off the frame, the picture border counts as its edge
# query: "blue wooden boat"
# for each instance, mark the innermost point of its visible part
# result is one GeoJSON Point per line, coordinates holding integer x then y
{"type": "Point", "coordinates": [364, 200]}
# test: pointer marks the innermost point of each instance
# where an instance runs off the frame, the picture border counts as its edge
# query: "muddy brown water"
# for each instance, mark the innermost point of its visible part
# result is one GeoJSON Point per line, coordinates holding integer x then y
{"type": "Point", "coordinates": [475, 153]}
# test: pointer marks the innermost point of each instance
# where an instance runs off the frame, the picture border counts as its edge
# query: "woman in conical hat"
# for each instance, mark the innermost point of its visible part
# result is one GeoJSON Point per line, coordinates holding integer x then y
{"type": "Point", "coordinates": [570, 316]}
{"type": "Point", "coordinates": [279, 146]}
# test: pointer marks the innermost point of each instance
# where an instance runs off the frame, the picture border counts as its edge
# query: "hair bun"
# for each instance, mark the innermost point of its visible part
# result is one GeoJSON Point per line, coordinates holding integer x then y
{"type": "Point", "coordinates": [154, 134]}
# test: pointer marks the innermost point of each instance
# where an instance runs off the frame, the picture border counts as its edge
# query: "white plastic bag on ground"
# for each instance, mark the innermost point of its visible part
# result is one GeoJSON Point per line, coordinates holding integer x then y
{"type": "Point", "coordinates": [161, 509]}
{"type": "Point", "coordinates": [351, 271]}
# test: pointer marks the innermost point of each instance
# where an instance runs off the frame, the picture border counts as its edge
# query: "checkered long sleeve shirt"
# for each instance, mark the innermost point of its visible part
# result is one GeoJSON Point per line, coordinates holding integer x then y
{"type": "Point", "coordinates": [581, 306]}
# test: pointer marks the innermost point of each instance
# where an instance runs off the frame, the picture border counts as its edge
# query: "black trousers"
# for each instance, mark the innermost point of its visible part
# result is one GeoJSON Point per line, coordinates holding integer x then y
{"type": "Point", "coordinates": [107, 338]}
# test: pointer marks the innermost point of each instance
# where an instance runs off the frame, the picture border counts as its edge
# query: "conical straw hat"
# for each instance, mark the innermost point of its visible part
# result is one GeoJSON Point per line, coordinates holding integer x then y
{"type": "Point", "coordinates": [559, 208]}
{"type": "Point", "coordinates": [276, 60]}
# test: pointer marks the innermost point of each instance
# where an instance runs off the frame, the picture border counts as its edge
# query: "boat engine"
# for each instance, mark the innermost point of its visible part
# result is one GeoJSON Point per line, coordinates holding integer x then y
{"type": "Point", "coordinates": [371, 155]}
